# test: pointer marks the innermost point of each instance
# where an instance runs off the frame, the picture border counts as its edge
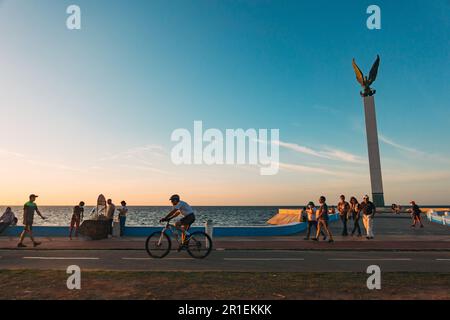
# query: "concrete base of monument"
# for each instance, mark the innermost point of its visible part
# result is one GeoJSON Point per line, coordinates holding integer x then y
{"type": "Point", "coordinates": [378, 199]}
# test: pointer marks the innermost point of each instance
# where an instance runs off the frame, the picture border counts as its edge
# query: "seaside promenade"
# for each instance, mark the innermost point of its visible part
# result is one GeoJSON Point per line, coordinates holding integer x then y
{"type": "Point", "coordinates": [396, 247]}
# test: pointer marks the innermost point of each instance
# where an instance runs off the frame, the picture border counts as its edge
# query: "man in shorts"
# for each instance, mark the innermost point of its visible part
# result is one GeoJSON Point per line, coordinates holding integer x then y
{"type": "Point", "coordinates": [77, 217]}
{"type": "Point", "coordinates": [183, 208]}
{"type": "Point", "coordinates": [28, 218]}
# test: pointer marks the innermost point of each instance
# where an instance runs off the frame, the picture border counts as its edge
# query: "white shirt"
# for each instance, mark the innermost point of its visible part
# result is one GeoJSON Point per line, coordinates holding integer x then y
{"type": "Point", "coordinates": [123, 211]}
{"type": "Point", "coordinates": [184, 208]}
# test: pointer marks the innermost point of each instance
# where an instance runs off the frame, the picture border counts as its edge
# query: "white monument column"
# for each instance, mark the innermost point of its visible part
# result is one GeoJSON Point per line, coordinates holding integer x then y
{"type": "Point", "coordinates": [376, 179]}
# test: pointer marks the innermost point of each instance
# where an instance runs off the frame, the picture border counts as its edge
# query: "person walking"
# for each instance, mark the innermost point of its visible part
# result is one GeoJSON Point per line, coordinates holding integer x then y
{"type": "Point", "coordinates": [415, 213]}
{"type": "Point", "coordinates": [343, 209]}
{"type": "Point", "coordinates": [322, 220]}
{"type": "Point", "coordinates": [29, 209]}
{"type": "Point", "coordinates": [355, 211]}
{"type": "Point", "coordinates": [77, 217]}
{"type": "Point", "coordinates": [110, 214]}
{"type": "Point", "coordinates": [122, 217]}
{"type": "Point", "coordinates": [368, 210]}
{"type": "Point", "coordinates": [7, 219]}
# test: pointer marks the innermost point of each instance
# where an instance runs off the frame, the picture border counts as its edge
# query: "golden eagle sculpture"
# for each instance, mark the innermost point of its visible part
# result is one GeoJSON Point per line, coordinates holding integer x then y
{"type": "Point", "coordinates": [367, 81]}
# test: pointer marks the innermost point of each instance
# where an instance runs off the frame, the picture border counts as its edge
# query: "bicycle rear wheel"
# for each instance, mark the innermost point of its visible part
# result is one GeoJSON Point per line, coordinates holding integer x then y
{"type": "Point", "coordinates": [158, 245]}
{"type": "Point", "coordinates": [199, 245]}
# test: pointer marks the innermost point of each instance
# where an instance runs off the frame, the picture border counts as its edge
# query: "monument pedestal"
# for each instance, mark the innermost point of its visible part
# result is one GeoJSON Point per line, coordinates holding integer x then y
{"type": "Point", "coordinates": [376, 179]}
{"type": "Point", "coordinates": [95, 229]}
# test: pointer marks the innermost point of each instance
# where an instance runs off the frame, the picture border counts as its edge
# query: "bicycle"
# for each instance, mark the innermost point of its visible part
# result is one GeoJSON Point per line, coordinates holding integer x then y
{"type": "Point", "coordinates": [158, 245]}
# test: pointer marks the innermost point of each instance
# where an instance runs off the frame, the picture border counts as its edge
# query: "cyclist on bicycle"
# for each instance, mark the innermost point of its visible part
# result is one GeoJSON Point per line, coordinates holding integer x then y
{"type": "Point", "coordinates": [183, 208]}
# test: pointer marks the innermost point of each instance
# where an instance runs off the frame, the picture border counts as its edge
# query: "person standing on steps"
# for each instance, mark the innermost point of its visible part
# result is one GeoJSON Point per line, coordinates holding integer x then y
{"type": "Point", "coordinates": [322, 220]}
{"type": "Point", "coordinates": [343, 209]}
{"type": "Point", "coordinates": [28, 218]}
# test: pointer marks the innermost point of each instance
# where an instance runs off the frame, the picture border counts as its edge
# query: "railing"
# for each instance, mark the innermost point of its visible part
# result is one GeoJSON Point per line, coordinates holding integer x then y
{"type": "Point", "coordinates": [440, 217]}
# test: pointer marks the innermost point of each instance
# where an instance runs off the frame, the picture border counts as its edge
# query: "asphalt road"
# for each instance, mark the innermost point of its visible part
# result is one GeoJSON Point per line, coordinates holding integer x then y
{"type": "Point", "coordinates": [233, 260]}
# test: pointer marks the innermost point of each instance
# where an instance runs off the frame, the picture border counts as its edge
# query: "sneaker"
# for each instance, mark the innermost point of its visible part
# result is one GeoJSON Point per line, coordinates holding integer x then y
{"type": "Point", "coordinates": [324, 238]}
{"type": "Point", "coordinates": [421, 226]}
{"type": "Point", "coordinates": [36, 243]}
{"type": "Point", "coordinates": [330, 241]}
{"type": "Point", "coordinates": [21, 245]}
{"type": "Point", "coordinates": [315, 239]}
{"type": "Point", "coordinates": [305, 238]}
{"type": "Point", "coordinates": [368, 238]}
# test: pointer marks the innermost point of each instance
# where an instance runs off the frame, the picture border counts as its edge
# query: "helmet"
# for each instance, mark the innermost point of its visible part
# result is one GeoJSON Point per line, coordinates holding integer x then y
{"type": "Point", "coordinates": [175, 197]}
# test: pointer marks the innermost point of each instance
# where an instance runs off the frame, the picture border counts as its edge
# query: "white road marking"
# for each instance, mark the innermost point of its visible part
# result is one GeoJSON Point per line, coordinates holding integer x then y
{"type": "Point", "coordinates": [442, 259]}
{"type": "Point", "coordinates": [156, 259]}
{"type": "Point", "coordinates": [263, 259]}
{"type": "Point", "coordinates": [370, 259]}
{"type": "Point", "coordinates": [62, 258]}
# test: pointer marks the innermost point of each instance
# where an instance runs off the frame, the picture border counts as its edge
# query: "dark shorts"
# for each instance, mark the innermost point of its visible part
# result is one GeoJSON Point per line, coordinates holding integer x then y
{"type": "Point", "coordinates": [188, 220]}
{"type": "Point", "coordinates": [28, 219]}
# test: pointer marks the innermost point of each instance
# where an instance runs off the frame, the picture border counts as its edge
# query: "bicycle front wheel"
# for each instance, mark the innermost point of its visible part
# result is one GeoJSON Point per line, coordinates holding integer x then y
{"type": "Point", "coordinates": [158, 245]}
{"type": "Point", "coordinates": [199, 245]}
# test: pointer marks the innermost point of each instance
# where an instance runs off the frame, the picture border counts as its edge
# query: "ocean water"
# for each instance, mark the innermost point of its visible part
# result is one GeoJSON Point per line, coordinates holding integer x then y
{"type": "Point", "coordinates": [150, 215]}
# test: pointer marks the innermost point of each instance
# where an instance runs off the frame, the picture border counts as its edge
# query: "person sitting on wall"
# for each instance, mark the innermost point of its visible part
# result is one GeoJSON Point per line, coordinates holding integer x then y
{"type": "Point", "coordinates": [396, 208]}
{"type": "Point", "coordinates": [7, 219]}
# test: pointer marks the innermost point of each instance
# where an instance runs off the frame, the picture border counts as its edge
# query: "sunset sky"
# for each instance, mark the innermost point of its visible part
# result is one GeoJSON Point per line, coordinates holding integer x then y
{"type": "Point", "coordinates": [91, 111]}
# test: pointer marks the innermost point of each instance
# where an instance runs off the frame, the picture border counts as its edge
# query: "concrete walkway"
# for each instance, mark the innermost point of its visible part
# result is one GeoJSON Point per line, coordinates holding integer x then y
{"type": "Point", "coordinates": [392, 233]}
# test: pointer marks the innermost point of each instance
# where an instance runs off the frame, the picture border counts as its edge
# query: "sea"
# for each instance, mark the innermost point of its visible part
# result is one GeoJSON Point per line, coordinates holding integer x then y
{"type": "Point", "coordinates": [150, 215]}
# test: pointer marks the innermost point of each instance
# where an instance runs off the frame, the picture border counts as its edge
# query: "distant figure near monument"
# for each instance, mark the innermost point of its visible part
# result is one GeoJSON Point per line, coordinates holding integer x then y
{"type": "Point", "coordinates": [371, 129]}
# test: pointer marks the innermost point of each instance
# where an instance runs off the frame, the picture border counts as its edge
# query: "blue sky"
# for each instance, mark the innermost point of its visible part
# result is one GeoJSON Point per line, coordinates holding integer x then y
{"type": "Point", "coordinates": [92, 111]}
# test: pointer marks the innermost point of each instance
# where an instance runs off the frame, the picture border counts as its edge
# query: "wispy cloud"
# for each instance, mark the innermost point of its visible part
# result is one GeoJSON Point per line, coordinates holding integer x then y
{"type": "Point", "coordinates": [141, 152]}
{"type": "Point", "coordinates": [399, 146]}
{"type": "Point", "coordinates": [11, 153]}
{"type": "Point", "coordinates": [36, 162]}
{"type": "Point", "coordinates": [139, 158]}
{"type": "Point", "coordinates": [145, 168]}
{"type": "Point", "coordinates": [306, 169]}
{"type": "Point", "coordinates": [326, 153]}
{"type": "Point", "coordinates": [412, 151]}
